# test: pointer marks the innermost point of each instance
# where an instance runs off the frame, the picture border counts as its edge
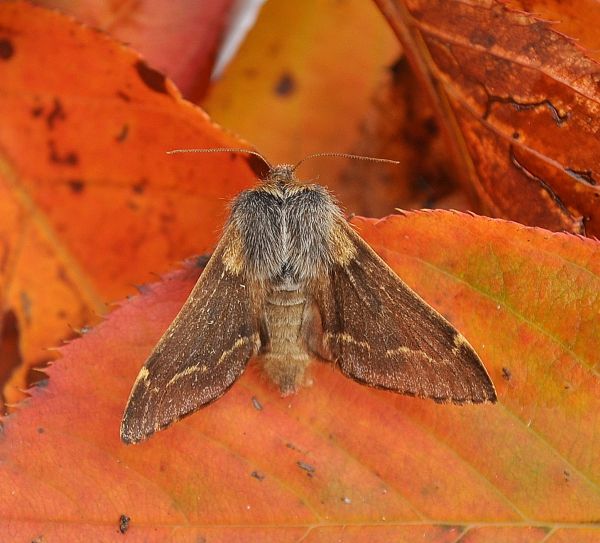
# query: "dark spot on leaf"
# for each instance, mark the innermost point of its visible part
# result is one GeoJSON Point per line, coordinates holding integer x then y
{"type": "Point", "coordinates": [294, 447]}
{"type": "Point", "coordinates": [285, 86]}
{"type": "Point", "coordinates": [124, 521]}
{"type": "Point", "coordinates": [123, 96]}
{"type": "Point", "coordinates": [516, 135]}
{"type": "Point", "coordinates": [133, 205]}
{"type": "Point", "coordinates": [57, 113]}
{"type": "Point", "coordinates": [40, 430]}
{"type": "Point", "coordinates": [431, 126]}
{"type": "Point", "coordinates": [10, 352]}
{"type": "Point", "coordinates": [143, 289]}
{"type": "Point", "coordinates": [61, 274]}
{"type": "Point", "coordinates": [506, 374]}
{"type": "Point", "coordinates": [153, 79]}
{"type": "Point", "coordinates": [61, 314]}
{"type": "Point", "coordinates": [76, 185]}
{"type": "Point", "coordinates": [69, 158]}
{"type": "Point", "coordinates": [140, 186]}
{"type": "Point", "coordinates": [7, 49]}
{"type": "Point", "coordinates": [37, 111]}
{"type": "Point", "coordinates": [258, 475]}
{"type": "Point", "coordinates": [399, 69]}
{"type": "Point", "coordinates": [257, 405]}
{"type": "Point", "coordinates": [482, 37]}
{"type": "Point", "coordinates": [122, 135]}
{"type": "Point", "coordinates": [310, 469]}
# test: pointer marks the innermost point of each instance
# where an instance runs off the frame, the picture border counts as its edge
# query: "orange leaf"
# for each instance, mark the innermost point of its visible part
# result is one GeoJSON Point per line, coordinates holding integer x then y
{"type": "Point", "coordinates": [520, 104]}
{"type": "Point", "coordinates": [305, 87]}
{"type": "Point", "coordinates": [89, 202]}
{"type": "Point", "coordinates": [339, 460]}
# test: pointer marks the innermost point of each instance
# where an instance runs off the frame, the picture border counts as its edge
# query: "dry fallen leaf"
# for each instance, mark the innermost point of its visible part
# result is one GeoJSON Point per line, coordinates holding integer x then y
{"type": "Point", "coordinates": [519, 104]}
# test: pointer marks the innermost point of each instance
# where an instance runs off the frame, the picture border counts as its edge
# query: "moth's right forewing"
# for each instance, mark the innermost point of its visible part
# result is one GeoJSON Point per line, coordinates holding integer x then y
{"type": "Point", "coordinates": [203, 351]}
{"type": "Point", "coordinates": [381, 333]}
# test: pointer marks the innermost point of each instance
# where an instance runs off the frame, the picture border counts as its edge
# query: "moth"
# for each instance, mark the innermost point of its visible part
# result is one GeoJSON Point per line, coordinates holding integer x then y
{"type": "Point", "coordinates": [289, 281]}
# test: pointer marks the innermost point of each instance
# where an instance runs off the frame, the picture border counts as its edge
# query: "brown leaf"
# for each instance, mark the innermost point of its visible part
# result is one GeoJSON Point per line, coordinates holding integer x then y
{"type": "Point", "coordinates": [520, 103]}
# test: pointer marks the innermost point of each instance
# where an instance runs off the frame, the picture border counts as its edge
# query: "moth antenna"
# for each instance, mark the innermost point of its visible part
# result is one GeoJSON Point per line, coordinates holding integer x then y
{"type": "Point", "coordinates": [346, 155]}
{"type": "Point", "coordinates": [223, 150]}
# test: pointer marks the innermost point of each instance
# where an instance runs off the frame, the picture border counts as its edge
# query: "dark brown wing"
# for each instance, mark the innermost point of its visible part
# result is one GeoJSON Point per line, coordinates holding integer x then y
{"type": "Point", "coordinates": [202, 353]}
{"type": "Point", "coordinates": [383, 334]}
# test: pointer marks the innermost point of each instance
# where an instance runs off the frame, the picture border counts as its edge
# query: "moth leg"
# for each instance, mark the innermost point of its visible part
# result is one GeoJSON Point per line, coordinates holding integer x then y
{"type": "Point", "coordinates": [312, 332]}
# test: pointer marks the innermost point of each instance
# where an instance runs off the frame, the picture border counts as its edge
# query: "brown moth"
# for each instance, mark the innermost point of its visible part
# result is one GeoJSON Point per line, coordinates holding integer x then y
{"type": "Point", "coordinates": [290, 280]}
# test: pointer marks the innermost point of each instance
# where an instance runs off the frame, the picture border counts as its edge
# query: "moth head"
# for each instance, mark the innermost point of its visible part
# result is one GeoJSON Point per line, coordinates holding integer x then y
{"type": "Point", "coordinates": [281, 174]}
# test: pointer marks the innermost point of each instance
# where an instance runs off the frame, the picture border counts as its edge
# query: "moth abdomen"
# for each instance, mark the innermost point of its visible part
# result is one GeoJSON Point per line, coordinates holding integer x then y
{"type": "Point", "coordinates": [286, 358]}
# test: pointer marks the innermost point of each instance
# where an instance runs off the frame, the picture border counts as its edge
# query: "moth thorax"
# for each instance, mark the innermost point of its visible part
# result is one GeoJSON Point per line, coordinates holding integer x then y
{"type": "Point", "coordinates": [285, 230]}
{"type": "Point", "coordinates": [286, 284]}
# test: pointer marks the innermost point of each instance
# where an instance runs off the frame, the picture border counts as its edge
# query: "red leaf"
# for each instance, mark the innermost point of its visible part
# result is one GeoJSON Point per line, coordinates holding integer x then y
{"type": "Point", "coordinates": [178, 37]}
{"type": "Point", "coordinates": [339, 460]}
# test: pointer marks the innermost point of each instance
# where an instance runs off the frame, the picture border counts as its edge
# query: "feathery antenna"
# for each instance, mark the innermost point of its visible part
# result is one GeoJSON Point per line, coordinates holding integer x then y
{"type": "Point", "coordinates": [270, 166]}
{"type": "Point", "coordinates": [223, 150]}
{"type": "Point", "coordinates": [345, 155]}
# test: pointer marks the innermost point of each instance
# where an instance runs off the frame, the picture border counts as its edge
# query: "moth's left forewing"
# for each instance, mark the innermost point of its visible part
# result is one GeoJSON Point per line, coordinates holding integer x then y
{"type": "Point", "coordinates": [381, 333]}
{"type": "Point", "coordinates": [203, 351]}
